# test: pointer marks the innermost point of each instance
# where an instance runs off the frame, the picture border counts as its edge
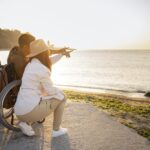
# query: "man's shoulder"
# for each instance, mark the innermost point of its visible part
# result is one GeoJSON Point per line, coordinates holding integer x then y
{"type": "Point", "coordinates": [15, 50]}
{"type": "Point", "coordinates": [15, 55]}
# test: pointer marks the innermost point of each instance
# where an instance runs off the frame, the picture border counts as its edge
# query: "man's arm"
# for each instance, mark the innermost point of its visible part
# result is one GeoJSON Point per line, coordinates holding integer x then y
{"type": "Point", "coordinates": [62, 51]}
{"type": "Point", "coordinates": [59, 51]}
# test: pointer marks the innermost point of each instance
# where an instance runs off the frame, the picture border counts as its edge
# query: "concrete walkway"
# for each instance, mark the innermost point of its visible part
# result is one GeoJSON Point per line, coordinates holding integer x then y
{"type": "Point", "coordinates": [89, 129]}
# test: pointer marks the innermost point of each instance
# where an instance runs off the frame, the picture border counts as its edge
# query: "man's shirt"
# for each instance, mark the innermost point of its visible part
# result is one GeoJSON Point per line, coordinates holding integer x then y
{"type": "Point", "coordinates": [16, 57]}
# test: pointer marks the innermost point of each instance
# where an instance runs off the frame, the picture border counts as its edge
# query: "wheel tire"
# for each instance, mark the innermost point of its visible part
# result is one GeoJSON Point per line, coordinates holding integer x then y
{"type": "Point", "coordinates": [3, 94]}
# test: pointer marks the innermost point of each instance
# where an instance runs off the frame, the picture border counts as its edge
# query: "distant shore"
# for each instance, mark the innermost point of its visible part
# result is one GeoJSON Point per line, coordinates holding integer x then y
{"type": "Point", "coordinates": [132, 112]}
{"type": "Point", "coordinates": [5, 49]}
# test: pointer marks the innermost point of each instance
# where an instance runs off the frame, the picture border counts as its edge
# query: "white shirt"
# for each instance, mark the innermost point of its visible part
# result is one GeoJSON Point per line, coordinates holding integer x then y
{"type": "Point", "coordinates": [36, 85]}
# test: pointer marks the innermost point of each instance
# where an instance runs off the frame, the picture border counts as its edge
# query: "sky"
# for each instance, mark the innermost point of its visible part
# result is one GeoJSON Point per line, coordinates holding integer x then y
{"type": "Point", "coordinates": [81, 24]}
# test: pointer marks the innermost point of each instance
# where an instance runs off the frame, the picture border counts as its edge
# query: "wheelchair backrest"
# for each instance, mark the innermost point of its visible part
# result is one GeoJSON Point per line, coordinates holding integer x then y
{"type": "Point", "coordinates": [3, 77]}
{"type": "Point", "coordinates": [7, 74]}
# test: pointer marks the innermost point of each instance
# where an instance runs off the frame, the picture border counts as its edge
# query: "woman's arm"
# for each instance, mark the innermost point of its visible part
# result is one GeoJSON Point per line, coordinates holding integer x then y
{"type": "Point", "coordinates": [47, 87]}
{"type": "Point", "coordinates": [56, 58]}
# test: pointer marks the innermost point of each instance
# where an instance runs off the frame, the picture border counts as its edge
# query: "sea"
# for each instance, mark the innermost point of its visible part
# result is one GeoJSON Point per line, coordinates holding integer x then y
{"type": "Point", "coordinates": [123, 72]}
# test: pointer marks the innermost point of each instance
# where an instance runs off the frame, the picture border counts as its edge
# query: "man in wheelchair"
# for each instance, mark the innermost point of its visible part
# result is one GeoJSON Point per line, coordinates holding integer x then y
{"type": "Point", "coordinates": [17, 55]}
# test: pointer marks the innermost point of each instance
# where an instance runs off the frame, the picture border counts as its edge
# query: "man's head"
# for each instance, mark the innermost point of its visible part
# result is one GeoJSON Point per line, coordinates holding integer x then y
{"type": "Point", "coordinates": [24, 43]}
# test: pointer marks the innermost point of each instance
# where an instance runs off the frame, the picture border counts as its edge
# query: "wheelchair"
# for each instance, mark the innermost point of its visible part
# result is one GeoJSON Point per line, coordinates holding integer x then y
{"type": "Point", "coordinates": [7, 116]}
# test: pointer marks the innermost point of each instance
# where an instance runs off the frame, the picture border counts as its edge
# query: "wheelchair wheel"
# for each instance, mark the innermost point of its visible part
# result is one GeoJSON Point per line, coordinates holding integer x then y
{"type": "Point", "coordinates": [7, 116]}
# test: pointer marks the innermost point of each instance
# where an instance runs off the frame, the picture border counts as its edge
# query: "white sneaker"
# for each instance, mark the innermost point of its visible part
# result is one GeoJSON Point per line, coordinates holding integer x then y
{"type": "Point", "coordinates": [26, 129]}
{"type": "Point", "coordinates": [60, 132]}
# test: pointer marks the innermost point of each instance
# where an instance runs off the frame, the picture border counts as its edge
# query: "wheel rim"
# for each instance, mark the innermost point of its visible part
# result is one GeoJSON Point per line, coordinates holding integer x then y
{"type": "Point", "coordinates": [6, 114]}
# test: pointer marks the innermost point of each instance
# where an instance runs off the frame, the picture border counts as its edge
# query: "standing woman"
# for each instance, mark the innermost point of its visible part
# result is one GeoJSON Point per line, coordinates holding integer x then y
{"type": "Point", "coordinates": [38, 97]}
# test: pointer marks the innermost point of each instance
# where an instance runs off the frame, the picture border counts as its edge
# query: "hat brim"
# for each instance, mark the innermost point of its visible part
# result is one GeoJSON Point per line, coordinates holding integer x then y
{"type": "Point", "coordinates": [34, 54]}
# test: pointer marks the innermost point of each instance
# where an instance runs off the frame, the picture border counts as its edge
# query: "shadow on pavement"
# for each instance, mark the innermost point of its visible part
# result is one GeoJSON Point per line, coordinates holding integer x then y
{"type": "Point", "coordinates": [61, 143]}
{"type": "Point", "coordinates": [10, 140]}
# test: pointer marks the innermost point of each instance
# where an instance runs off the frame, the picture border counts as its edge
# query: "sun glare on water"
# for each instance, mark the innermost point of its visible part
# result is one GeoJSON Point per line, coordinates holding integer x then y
{"type": "Point", "coordinates": [3, 57]}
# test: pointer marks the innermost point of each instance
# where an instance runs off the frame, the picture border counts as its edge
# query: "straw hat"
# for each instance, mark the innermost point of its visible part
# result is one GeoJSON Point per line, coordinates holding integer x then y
{"type": "Point", "coordinates": [39, 46]}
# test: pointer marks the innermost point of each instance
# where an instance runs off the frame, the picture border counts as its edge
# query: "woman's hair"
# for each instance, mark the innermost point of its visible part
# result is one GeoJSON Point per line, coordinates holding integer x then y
{"type": "Point", "coordinates": [43, 58]}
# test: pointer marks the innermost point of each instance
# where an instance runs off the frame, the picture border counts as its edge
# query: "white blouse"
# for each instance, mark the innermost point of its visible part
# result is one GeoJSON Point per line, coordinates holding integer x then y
{"type": "Point", "coordinates": [36, 85]}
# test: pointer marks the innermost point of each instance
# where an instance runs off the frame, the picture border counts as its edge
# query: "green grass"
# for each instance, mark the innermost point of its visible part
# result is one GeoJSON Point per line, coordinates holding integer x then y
{"type": "Point", "coordinates": [132, 114]}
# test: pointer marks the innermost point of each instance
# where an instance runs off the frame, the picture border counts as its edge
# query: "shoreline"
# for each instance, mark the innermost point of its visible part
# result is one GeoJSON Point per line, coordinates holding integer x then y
{"type": "Point", "coordinates": [128, 96]}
